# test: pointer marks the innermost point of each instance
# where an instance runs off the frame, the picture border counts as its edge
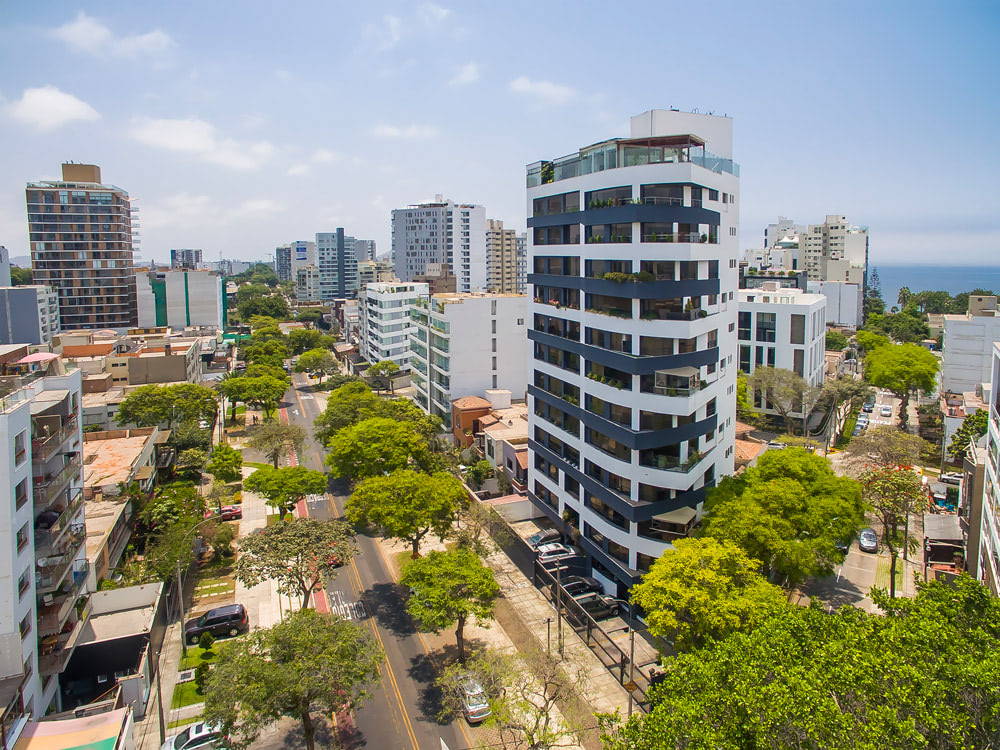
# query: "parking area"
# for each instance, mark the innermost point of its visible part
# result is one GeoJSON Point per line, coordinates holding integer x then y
{"type": "Point", "coordinates": [849, 584]}
{"type": "Point", "coordinates": [885, 410]}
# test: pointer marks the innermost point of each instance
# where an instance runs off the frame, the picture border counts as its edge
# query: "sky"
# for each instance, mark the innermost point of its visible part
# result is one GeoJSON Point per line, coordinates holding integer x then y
{"type": "Point", "coordinates": [240, 126]}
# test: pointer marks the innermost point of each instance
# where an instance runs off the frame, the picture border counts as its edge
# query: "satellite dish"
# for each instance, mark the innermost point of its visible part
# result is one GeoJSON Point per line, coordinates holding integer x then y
{"type": "Point", "coordinates": [43, 562]}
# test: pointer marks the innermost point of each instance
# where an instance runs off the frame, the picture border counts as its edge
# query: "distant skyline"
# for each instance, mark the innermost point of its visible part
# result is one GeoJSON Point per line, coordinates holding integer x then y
{"type": "Point", "coordinates": [242, 126]}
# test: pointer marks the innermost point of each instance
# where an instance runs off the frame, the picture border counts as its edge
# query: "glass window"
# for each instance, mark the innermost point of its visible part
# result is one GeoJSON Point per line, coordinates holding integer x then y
{"type": "Point", "coordinates": [744, 323]}
{"type": "Point", "coordinates": [745, 358]}
{"type": "Point", "coordinates": [765, 327]}
{"type": "Point", "coordinates": [20, 450]}
{"type": "Point", "coordinates": [798, 333]}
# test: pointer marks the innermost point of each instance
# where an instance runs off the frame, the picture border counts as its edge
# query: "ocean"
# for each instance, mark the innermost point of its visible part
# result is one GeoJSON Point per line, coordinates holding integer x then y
{"type": "Point", "coordinates": [951, 279]}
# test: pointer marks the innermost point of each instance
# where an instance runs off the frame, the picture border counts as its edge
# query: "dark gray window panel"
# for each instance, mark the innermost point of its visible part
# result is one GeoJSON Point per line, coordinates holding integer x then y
{"type": "Point", "coordinates": [631, 289]}
{"type": "Point", "coordinates": [626, 214]}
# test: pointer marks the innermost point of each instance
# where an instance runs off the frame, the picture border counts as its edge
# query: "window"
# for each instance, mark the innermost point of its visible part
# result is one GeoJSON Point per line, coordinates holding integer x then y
{"type": "Point", "coordinates": [765, 327]}
{"type": "Point", "coordinates": [22, 537]}
{"type": "Point", "coordinates": [494, 327]}
{"type": "Point", "coordinates": [571, 486]}
{"type": "Point", "coordinates": [744, 321]}
{"type": "Point", "coordinates": [745, 358]}
{"type": "Point", "coordinates": [20, 449]}
{"type": "Point", "coordinates": [798, 333]}
{"type": "Point", "coordinates": [21, 493]}
{"type": "Point", "coordinates": [799, 361]}
{"type": "Point", "coordinates": [24, 582]}
{"type": "Point", "coordinates": [25, 626]}
{"type": "Point", "coordinates": [713, 195]}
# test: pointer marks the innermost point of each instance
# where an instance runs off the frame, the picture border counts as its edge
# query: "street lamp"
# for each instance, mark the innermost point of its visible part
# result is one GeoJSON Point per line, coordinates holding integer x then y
{"type": "Point", "coordinates": [631, 651]}
{"type": "Point", "coordinates": [180, 580]}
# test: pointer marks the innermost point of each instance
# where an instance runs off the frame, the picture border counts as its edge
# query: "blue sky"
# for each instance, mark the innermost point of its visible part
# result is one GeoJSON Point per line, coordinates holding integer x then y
{"type": "Point", "coordinates": [239, 126]}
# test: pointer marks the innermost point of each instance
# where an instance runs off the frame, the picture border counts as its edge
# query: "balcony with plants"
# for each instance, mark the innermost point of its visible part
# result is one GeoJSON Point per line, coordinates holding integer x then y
{"type": "Point", "coordinates": [609, 376]}
{"type": "Point", "coordinates": [675, 308]}
{"type": "Point", "coordinates": [672, 457]}
{"type": "Point", "coordinates": [680, 232]}
{"type": "Point", "coordinates": [558, 297]}
{"type": "Point", "coordinates": [616, 307]}
{"type": "Point", "coordinates": [54, 651]}
{"type": "Point", "coordinates": [54, 609]}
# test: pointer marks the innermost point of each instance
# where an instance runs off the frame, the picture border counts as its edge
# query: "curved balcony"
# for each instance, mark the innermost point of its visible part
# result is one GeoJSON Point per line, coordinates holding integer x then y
{"type": "Point", "coordinates": [633, 289]}
{"type": "Point", "coordinates": [630, 363]}
{"type": "Point", "coordinates": [628, 212]}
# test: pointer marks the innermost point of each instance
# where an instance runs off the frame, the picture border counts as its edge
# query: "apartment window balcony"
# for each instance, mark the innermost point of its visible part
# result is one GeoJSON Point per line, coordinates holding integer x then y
{"type": "Point", "coordinates": [54, 651]}
{"type": "Point", "coordinates": [672, 309]}
{"type": "Point", "coordinates": [668, 459]}
{"type": "Point", "coordinates": [617, 307]}
{"type": "Point", "coordinates": [49, 577]}
{"type": "Point", "coordinates": [44, 446]}
{"type": "Point", "coordinates": [48, 539]}
{"type": "Point", "coordinates": [47, 487]}
{"type": "Point", "coordinates": [55, 608]}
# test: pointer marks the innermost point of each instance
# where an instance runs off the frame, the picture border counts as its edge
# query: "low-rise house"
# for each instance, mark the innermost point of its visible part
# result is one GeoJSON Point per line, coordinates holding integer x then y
{"type": "Point", "coordinates": [748, 448]}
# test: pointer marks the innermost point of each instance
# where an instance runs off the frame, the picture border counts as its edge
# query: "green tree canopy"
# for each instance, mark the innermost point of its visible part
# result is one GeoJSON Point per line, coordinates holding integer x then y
{"type": "Point", "coordinates": [276, 440]}
{"type": "Point", "coordinates": [923, 676]}
{"type": "Point", "coordinates": [355, 402]}
{"type": "Point", "coordinates": [784, 390]}
{"type": "Point", "coordinates": [836, 341]}
{"type": "Point", "coordinates": [301, 555]}
{"type": "Point", "coordinates": [702, 590]}
{"type": "Point", "coordinates": [176, 503]}
{"type": "Point", "coordinates": [20, 276]}
{"type": "Point", "coordinates": [316, 360]}
{"type": "Point", "coordinates": [382, 373]}
{"type": "Point", "coordinates": [303, 339]}
{"type": "Point", "coordinates": [478, 473]}
{"type": "Point", "coordinates": [973, 427]}
{"type": "Point", "coordinates": [284, 487]}
{"type": "Point", "coordinates": [377, 446]}
{"type": "Point", "coordinates": [190, 434]}
{"type": "Point", "coordinates": [886, 445]}
{"type": "Point", "coordinates": [450, 588]}
{"type": "Point", "coordinates": [273, 352]}
{"type": "Point", "coordinates": [869, 341]}
{"type": "Point", "coordinates": [901, 368]}
{"type": "Point", "coordinates": [744, 406]}
{"type": "Point", "coordinates": [789, 512]}
{"type": "Point", "coordinates": [892, 493]}
{"type": "Point", "coordinates": [225, 464]}
{"type": "Point", "coordinates": [308, 664]}
{"type": "Point", "coordinates": [407, 505]}
{"type": "Point", "coordinates": [264, 392]}
{"type": "Point", "coordinates": [152, 405]}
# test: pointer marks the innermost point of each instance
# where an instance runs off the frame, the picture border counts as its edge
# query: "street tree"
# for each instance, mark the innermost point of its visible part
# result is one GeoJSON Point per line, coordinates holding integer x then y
{"type": "Point", "coordinates": [703, 590]}
{"type": "Point", "coordinates": [273, 307]}
{"type": "Point", "coordinates": [225, 463]}
{"type": "Point", "coordinates": [407, 505]}
{"type": "Point", "coordinates": [893, 493]}
{"type": "Point", "coordinates": [192, 458]}
{"type": "Point", "coordinates": [173, 504]}
{"type": "Point", "coordinates": [309, 317]}
{"type": "Point", "coordinates": [232, 387]}
{"type": "Point", "coordinates": [152, 405]}
{"type": "Point", "coordinates": [922, 675]}
{"type": "Point", "coordinates": [869, 341]}
{"type": "Point", "coordinates": [835, 341]}
{"type": "Point", "coordinates": [973, 427]}
{"type": "Point", "coordinates": [782, 388]}
{"type": "Point", "coordinates": [482, 529]}
{"type": "Point", "coordinates": [902, 368]}
{"type": "Point", "coordinates": [377, 446]}
{"type": "Point", "coordinates": [317, 361]}
{"type": "Point", "coordinates": [273, 353]}
{"type": "Point", "coordinates": [265, 393]}
{"type": "Point", "coordinates": [535, 699]}
{"type": "Point", "coordinates": [303, 339]}
{"type": "Point", "coordinates": [190, 434]}
{"type": "Point", "coordinates": [307, 665]}
{"type": "Point", "coordinates": [382, 373]}
{"type": "Point", "coordinates": [284, 487]}
{"type": "Point", "coordinates": [885, 445]}
{"type": "Point", "coordinates": [450, 588]}
{"type": "Point", "coordinates": [300, 555]}
{"type": "Point", "coordinates": [789, 512]}
{"type": "Point", "coordinates": [744, 405]}
{"type": "Point", "coordinates": [276, 440]}
{"type": "Point", "coordinates": [345, 406]}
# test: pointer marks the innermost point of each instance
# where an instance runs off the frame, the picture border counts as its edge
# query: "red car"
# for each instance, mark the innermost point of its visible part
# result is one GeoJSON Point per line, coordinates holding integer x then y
{"type": "Point", "coordinates": [228, 512]}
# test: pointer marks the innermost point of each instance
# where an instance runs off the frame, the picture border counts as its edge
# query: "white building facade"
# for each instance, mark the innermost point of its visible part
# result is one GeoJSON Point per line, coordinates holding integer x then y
{"type": "Point", "coordinates": [288, 259]}
{"type": "Point", "coordinates": [441, 232]}
{"type": "Point", "coordinates": [384, 324]}
{"type": "Point", "coordinates": [968, 345]}
{"type": "Point", "coordinates": [464, 344]}
{"type": "Point", "coordinates": [633, 275]}
{"type": "Point", "coordinates": [28, 314]}
{"type": "Point", "coordinates": [307, 284]}
{"type": "Point", "coordinates": [844, 302]}
{"type": "Point", "coordinates": [43, 565]}
{"type": "Point", "coordinates": [181, 298]}
{"type": "Point", "coordinates": [989, 537]}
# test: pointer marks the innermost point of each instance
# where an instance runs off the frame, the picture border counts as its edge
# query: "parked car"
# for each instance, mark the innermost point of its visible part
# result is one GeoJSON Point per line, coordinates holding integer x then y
{"type": "Point", "coordinates": [951, 477]}
{"type": "Point", "coordinates": [202, 735]}
{"type": "Point", "coordinates": [227, 512]}
{"type": "Point", "coordinates": [870, 401]}
{"type": "Point", "coordinates": [597, 605]}
{"type": "Point", "coordinates": [868, 408]}
{"type": "Point", "coordinates": [546, 536]}
{"type": "Point", "coordinates": [885, 411]}
{"type": "Point", "coordinates": [474, 704]}
{"type": "Point", "coordinates": [230, 620]}
{"type": "Point", "coordinates": [868, 541]}
{"type": "Point", "coordinates": [576, 585]}
{"type": "Point", "coordinates": [554, 552]}
{"type": "Point", "coordinates": [844, 544]}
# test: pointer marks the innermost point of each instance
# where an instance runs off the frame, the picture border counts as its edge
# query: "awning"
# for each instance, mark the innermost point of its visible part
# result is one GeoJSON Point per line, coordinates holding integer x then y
{"type": "Point", "coordinates": [522, 459]}
{"type": "Point", "coordinates": [680, 516]}
{"type": "Point", "coordinates": [144, 473]}
{"type": "Point", "coordinates": [37, 357]}
{"type": "Point", "coordinates": [684, 372]}
{"type": "Point", "coordinates": [942, 528]}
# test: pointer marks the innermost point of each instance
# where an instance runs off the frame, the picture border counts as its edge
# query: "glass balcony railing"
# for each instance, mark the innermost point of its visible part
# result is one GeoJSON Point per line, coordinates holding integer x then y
{"type": "Point", "coordinates": [43, 449]}
{"type": "Point", "coordinates": [47, 540]}
{"type": "Point", "coordinates": [51, 570]}
{"type": "Point", "coordinates": [56, 608]}
{"type": "Point", "coordinates": [48, 487]}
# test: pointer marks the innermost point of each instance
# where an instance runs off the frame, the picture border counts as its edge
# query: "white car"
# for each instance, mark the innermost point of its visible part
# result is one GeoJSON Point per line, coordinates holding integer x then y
{"type": "Point", "coordinates": [202, 736]}
{"type": "Point", "coordinates": [886, 411]}
{"type": "Point", "coordinates": [550, 553]}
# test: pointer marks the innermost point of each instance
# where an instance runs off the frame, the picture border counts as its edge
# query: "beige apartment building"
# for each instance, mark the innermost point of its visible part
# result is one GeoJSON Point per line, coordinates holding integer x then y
{"type": "Point", "coordinates": [81, 239]}
{"type": "Point", "coordinates": [501, 259]}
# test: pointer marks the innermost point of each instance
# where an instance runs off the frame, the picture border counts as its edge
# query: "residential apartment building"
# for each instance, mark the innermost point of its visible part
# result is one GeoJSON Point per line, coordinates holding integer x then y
{"type": "Point", "coordinates": [384, 324]}
{"type": "Point", "coordinates": [502, 259]}
{"type": "Point", "coordinates": [288, 259]}
{"type": "Point", "coordinates": [439, 279]}
{"type": "Point", "coordinates": [968, 345]}
{"type": "Point", "coordinates": [4, 266]}
{"type": "Point", "coordinates": [835, 251]}
{"type": "Point", "coordinates": [784, 328]}
{"type": "Point", "coordinates": [371, 271]}
{"type": "Point", "coordinates": [988, 559]}
{"type": "Point", "coordinates": [28, 314]}
{"type": "Point", "coordinates": [844, 302]}
{"type": "Point", "coordinates": [441, 232]}
{"type": "Point", "coordinates": [464, 344]}
{"type": "Point", "coordinates": [364, 249]}
{"type": "Point", "coordinates": [43, 567]}
{"type": "Point", "coordinates": [632, 247]}
{"type": "Point", "coordinates": [782, 229]}
{"type": "Point", "coordinates": [521, 243]}
{"type": "Point", "coordinates": [338, 263]}
{"type": "Point", "coordinates": [307, 284]}
{"type": "Point", "coordinates": [81, 234]}
{"type": "Point", "coordinates": [186, 258]}
{"type": "Point", "coordinates": [181, 298]}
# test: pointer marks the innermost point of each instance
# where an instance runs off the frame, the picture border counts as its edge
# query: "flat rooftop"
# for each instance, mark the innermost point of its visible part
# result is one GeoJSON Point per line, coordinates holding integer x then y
{"type": "Point", "coordinates": [100, 517]}
{"type": "Point", "coordinates": [109, 461]}
{"type": "Point", "coordinates": [118, 613]}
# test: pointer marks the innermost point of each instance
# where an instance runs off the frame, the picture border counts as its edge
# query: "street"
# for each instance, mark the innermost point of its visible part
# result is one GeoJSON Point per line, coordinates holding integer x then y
{"type": "Point", "coordinates": [401, 712]}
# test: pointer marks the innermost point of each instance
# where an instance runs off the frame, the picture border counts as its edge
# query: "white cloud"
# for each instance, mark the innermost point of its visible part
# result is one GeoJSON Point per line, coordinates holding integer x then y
{"type": "Point", "coordinates": [387, 35]}
{"type": "Point", "coordinates": [182, 209]}
{"type": "Point", "coordinates": [319, 156]}
{"type": "Point", "coordinates": [87, 34]}
{"type": "Point", "coordinates": [255, 208]}
{"type": "Point", "coordinates": [325, 156]}
{"type": "Point", "coordinates": [551, 93]}
{"type": "Point", "coordinates": [466, 74]}
{"type": "Point", "coordinates": [200, 138]}
{"type": "Point", "coordinates": [48, 108]}
{"type": "Point", "coordinates": [431, 14]}
{"type": "Point", "coordinates": [410, 132]}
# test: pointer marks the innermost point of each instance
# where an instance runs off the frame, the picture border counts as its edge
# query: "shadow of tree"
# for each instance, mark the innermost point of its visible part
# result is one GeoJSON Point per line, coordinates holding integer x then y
{"type": "Point", "coordinates": [386, 603]}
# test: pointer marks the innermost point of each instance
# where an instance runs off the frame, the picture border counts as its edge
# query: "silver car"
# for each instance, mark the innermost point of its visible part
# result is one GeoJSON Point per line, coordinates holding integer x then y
{"type": "Point", "coordinates": [474, 704]}
{"type": "Point", "coordinates": [200, 736]}
{"type": "Point", "coordinates": [868, 541]}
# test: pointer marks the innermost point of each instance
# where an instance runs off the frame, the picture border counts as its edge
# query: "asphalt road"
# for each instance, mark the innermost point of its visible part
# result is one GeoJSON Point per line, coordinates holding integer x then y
{"type": "Point", "coordinates": [401, 712]}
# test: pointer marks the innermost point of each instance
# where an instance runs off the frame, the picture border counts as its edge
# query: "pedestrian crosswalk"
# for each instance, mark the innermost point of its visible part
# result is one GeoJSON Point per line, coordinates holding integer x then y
{"type": "Point", "coordinates": [344, 608]}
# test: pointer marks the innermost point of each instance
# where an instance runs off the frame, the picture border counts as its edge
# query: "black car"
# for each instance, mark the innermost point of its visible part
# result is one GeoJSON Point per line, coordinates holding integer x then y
{"type": "Point", "coordinates": [545, 536]}
{"type": "Point", "coordinates": [230, 620]}
{"type": "Point", "coordinates": [577, 585]}
{"type": "Point", "coordinates": [598, 606]}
